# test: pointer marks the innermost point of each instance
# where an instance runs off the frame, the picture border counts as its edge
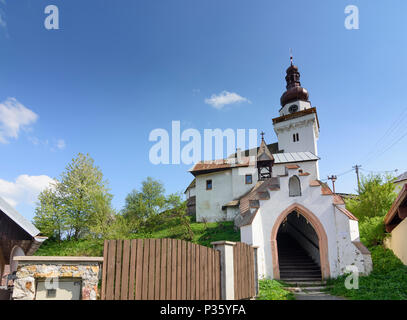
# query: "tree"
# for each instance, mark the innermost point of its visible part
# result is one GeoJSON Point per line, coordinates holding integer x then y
{"type": "Point", "coordinates": [150, 210]}
{"type": "Point", "coordinates": [79, 203]}
{"type": "Point", "coordinates": [49, 218]}
{"type": "Point", "coordinates": [375, 199]}
{"type": "Point", "coordinates": [147, 202]}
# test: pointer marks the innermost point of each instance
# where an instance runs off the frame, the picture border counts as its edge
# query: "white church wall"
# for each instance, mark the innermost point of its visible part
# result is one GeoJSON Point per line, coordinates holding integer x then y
{"type": "Point", "coordinates": [253, 235]}
{"type": "Point", "coordinates": [305, 126]}
{"type": "Point", "coordinates": [302, 105]}
{"type": "Point", "coordinates": [209, 202]}
{"type": "Point", "coordinates": [226, 186]}
{"type": "Point", "coordinates": [308, 166]}
{"type": "Point", "coordinates": [348, 253]}
{"type": "Point", "coordinates": [239, 186]}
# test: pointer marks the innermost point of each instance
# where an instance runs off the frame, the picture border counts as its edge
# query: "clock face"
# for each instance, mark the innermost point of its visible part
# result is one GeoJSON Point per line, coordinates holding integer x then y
{"type": "Point", "coordinates": [293, 108]}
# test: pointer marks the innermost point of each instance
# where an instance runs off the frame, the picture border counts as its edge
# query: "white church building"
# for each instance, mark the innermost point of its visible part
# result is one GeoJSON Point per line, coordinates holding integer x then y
{"type": "Point", "coordinates": [274, 195]}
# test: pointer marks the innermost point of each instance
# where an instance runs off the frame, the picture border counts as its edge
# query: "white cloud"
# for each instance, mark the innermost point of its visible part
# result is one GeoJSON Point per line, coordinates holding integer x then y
{"type": "Point", "coordinates": [25, 189]}
{"type": "Point", "coordinates": [224, 98]}
{"type": "Point", "coordinates": [13, 117]}
{"type": "Point", "coordinates": [61, 144]}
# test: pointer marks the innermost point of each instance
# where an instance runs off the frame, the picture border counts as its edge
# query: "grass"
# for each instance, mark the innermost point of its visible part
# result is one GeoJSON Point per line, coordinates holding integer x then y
{"type": "Point", "coordinates": [273, 290]}
{"type": "Point", "coordinates": [387, 281]}
{"type": "Point", "coordinates": [204, 234]}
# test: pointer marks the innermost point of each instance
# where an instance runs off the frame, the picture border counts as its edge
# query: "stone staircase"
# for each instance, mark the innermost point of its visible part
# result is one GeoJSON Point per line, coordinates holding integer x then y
{"type": "Point", "coordinates": [296, 266]}
{"type": "Point", "coordinates": [300, 272]}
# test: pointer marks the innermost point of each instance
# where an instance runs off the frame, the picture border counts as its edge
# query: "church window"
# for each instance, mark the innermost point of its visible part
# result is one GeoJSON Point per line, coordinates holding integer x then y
{"type": "Point", "coordinates": [294, 186]}
{"type": "Point", "coordinates": [249, 179]}
{"type": "Point", "coordinates": [296, 137]}
{"type": "Point", "coordinates": [208, 184]}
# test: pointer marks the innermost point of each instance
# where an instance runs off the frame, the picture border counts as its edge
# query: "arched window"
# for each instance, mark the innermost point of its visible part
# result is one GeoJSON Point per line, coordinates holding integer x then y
{"type": "Point", "coordinates": [15, 252]}
{"type": "Point", "coordinates": [294, 186]}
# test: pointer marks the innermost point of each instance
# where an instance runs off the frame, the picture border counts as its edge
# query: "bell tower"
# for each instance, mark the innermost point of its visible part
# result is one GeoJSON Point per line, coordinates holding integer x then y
{"type": "Point", "coordinates": [265, 161]}
{"type": "Point", "coordinates": [297, 127]}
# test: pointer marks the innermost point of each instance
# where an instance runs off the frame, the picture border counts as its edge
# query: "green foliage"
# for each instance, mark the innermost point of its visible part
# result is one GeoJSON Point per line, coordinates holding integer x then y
{"type": "Point", "coordinates": [372, 231]}
{"type": "Point", "coordinates": [375, 198]}
{"type": "Point", "coordinates": [94, 247]}
{"type": "Point", "coordinates": [147, 202]}
{"type": "Point", "coordinates": [273, 290]}
{"type": "Point", "coordinates": [388, 280]}
{"type": "Point", "coordinates": [77, 205]}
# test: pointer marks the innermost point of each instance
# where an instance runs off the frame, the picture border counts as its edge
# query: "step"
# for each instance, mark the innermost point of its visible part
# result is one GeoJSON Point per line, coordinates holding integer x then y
{"type": "Point", "coordinates": [303, 282]}
{"type": "Point", "coordinates": [314, 289]}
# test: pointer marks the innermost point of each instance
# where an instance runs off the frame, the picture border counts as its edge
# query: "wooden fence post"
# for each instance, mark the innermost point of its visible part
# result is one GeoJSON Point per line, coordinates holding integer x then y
{"type": "Point", "coordinates": [227, 277]}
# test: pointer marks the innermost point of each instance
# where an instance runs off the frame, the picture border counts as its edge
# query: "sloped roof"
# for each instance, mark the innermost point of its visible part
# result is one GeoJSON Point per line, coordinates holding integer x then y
{"type": "Point", "coordinates": [398, 210]}
{"type": "Point", "coordinates": [191, 185]}
{"type": "Point", "coordinates": [14, 215]}
{"type": "Point", "coordinates": [294, 157]}
{"type": "Point", "coordinates": [264, 153]}
{"type": "Point", "coordinates": [401, 177]}
{"type": "Point", "coordinates": [273, 148]}
{"type": "Point", "coordinates": [203, 167]}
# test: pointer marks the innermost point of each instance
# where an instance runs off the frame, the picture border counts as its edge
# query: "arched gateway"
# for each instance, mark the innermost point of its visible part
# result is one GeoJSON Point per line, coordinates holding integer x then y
{"type": "Point", "coordinates": [319, 230]}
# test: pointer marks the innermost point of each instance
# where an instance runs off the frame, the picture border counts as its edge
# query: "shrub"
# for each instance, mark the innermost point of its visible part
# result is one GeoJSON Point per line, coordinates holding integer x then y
{"type": "Point", "coordinates": [372, 231]}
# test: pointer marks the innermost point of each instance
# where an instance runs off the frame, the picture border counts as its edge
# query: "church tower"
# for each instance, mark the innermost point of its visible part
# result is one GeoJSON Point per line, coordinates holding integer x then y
{"type": "Point", "coordinates": [297, 127]}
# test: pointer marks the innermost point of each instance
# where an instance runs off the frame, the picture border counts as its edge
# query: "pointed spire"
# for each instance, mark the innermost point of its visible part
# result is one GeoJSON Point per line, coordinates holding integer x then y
{"type": "Point", "coordinates": [264, 153]}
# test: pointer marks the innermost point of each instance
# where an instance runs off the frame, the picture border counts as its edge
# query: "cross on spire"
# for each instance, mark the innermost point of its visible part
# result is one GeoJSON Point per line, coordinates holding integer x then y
{"type": "Point", "coordinates": [262, 135]}
{"type": "Point", "coordinates": [291, 56]}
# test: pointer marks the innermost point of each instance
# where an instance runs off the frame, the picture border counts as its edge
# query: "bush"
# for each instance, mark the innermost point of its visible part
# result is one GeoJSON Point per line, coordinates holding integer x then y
{"type": "Point", "coordinates": [372, 231]}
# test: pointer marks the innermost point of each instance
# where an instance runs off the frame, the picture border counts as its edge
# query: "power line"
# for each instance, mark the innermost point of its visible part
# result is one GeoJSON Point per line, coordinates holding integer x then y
{"type": "Point", "coordinates": [398, 121]}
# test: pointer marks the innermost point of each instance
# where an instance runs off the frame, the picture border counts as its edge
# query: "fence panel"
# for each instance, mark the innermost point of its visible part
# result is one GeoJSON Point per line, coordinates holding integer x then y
{"type": "Point", "coordinates": [244, 272]}
{"type": "Point", "coordinates": [158, 269]}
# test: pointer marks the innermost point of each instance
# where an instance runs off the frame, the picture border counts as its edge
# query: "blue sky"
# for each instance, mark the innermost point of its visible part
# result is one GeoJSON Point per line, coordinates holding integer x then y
{"type": "Point", "coordinates": [115, 70]}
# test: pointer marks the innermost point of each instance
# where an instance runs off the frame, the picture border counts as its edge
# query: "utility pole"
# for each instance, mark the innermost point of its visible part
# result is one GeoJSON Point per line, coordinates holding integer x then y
{"type": "Point", "coordinates": [333, 178]}
{"type": "Point", "coordinates": [356, 167]}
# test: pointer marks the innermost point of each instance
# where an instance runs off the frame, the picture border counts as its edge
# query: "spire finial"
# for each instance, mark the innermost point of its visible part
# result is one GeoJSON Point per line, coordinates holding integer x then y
{"type": "Point", "coordinates": [291, 56]}
{"type": "Point", "coordinates": [262, 135]}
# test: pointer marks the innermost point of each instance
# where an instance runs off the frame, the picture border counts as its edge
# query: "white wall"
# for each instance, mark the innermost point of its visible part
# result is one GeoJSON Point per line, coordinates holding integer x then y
{"type": "Point", "coordinates": [307, 129]}
{"type": "Point", "coordinates": [302, 105]}
{"type": "Point", "coordinates": [308, 166]}
{"type": "Point", "coordinates": [226, 186]}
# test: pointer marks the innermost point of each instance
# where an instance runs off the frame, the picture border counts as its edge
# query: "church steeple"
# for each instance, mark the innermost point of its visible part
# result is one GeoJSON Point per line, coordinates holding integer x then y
{"type": "Point", "coordinates": [294, 90]}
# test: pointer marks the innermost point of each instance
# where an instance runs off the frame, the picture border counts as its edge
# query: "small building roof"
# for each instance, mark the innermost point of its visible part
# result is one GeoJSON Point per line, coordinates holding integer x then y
{"type": "Point", "coordinates": [14, 215]}
{"type": "Point", "coordinates": [401, 177]}
{"type": "Point", "coordinates": [398, 210]}
{"type": "Point", "coordinates": [294, 157]}
{"type": "Point", "coordinates": [204, 167]}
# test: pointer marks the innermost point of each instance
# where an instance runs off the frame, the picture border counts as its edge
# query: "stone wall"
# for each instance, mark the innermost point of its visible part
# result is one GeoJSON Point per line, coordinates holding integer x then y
{"type": "Point", "coordinates": [31, 269]}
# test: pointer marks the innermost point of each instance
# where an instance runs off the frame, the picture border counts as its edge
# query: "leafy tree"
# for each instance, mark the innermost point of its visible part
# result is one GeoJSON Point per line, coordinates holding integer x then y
{"type": "Point", "coordinates": [49, 218]}
{"type": "Point", "coordinates": [147, 202]}
{"type": "Point", "coordinates": [78, 204]}
{"type": "Point", "coordinates": [150, 210]}
{"type": "Point", "coordinates": [375, 198]}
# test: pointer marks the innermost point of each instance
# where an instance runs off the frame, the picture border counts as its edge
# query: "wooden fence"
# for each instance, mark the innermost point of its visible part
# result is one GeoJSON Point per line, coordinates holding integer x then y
{"type": "Point", "coordinates": [244, 271]}
{"type": "Point", "coordinates": [160, 269]}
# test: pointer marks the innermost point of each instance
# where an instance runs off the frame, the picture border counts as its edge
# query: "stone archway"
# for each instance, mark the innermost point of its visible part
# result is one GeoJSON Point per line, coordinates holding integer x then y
{"type": "Point", "coordinates": [319, 229]}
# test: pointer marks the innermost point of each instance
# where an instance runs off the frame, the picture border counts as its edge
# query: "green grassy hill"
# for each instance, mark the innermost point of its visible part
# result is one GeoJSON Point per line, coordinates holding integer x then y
{"type": "Point", "coordinates": [204, 234]}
